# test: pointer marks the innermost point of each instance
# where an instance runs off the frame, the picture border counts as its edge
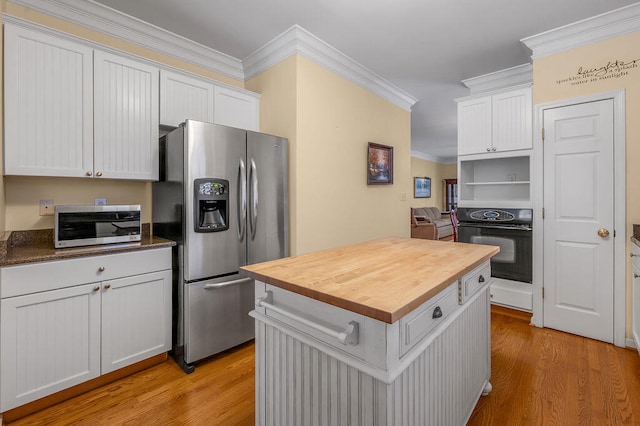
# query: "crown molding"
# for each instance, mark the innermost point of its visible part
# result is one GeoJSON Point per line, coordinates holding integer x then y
{"type": "Point", "coordinates": [435, 159]}
{"type": "Point", "coordinates": [103, 19]}
{"type": "Point", "coordinates": [618, 22]}
{"type": "Point", "coordinates": [297, 40]}
{"type": "Point", "coordinates": [514, 76]}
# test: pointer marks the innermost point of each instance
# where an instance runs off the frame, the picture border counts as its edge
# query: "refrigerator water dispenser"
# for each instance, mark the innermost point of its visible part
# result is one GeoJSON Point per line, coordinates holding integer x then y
{"type": "Point", "coordinates": [211, 202]}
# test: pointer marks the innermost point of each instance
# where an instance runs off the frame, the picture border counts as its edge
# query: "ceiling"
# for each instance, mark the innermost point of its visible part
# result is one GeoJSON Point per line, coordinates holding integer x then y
{"type": "Point", "coordinates": [425, 47]}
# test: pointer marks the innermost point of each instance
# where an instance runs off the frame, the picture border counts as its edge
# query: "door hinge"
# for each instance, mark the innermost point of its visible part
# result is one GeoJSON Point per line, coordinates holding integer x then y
{"type": "Point", "coordinates": [543, 292]}
{"type": "Point", "coordinates": [543, 212]}
{"type": "Point", "coordinates": [543, 133]}
{"type": "Point", "coordinates": [614, 233]}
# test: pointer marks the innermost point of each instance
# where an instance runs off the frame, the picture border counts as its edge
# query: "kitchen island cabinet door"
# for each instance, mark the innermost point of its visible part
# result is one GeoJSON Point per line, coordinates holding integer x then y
{"type": "Point", "coordinates": [50, 341]}
{"type": "Point", "coordinates": [136, 319]}
{"type": "Point", "coordinates": [48, 87]}
{"type": "Point", "coordinates": [126, 104]}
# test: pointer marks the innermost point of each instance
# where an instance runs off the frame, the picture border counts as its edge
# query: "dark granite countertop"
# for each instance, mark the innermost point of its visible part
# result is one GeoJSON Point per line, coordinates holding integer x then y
{"type": "Point", "coordinates": [19, 247]}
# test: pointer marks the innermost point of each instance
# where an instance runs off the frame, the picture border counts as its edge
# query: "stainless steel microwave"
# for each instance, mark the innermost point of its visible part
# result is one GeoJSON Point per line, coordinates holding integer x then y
{"type": "Point", "coordinates": [89, 225]}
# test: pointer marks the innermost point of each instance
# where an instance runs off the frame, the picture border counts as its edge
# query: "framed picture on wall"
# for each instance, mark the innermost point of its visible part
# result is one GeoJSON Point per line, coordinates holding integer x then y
{"type": "Point", "coordinates": [421, 187]}
{"type": "Point", "coordinates": [379, 164]}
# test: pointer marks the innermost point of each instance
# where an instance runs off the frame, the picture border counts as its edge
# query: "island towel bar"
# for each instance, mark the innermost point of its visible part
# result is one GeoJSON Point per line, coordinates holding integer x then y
{"type": "Point", "coordinates": [348, 336]}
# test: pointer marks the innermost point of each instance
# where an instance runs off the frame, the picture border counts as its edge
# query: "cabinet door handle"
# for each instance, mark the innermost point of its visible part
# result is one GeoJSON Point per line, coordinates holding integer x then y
{"type": "Point", "coordinates": [101, 269]}
{"type": "Point", "coordinates": [488, 149]}
{"type": "Point", "coordinates": [481, 279]}
{"type": "Point", "coordinates": [633, 255]}
{"type": "Point", "coordinates": [99, 174]}
{"type": "Point", "coordinates": [636, 275]}
{"type": "Point", "coordinates": [493, 149]}
{"type": "Point", "coordinates": [437, 312]}
{"type": "Point", "coordinates": [96, 288]}
{"type": "Point", "coordinates": [89, 174]}
{"type": "Point", "coordinates": [107, 286]}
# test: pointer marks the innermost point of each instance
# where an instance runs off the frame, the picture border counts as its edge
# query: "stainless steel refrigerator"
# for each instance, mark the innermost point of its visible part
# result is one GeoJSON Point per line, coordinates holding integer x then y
{"type": "Point", "coordinates": [223, 197]}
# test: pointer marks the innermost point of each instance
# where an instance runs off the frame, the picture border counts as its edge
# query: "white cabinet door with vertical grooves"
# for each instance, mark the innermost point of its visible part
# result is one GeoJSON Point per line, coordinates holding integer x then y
{"type": "Point", "coordinates": [236, 108]}
{"type": "Point", "coordinates": [48, 104]}
{"type": "Point", "coordinates": [126, 118]}
{"type": "Point", "coordinates": [50, 341]}
{"type": "Point", "coordinates": [183, 97]}
{"type": "Point", "coordinates": [512, 120]}
{"type": "Point", "coordinates": [474, 126]}
{"type": "Point", "coordinates": [136, 319]}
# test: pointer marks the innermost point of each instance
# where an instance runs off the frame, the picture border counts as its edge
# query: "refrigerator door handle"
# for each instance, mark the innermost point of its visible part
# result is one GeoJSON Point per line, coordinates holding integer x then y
{"type": "Point", "coordinates": [253, 195]}
{"type": "Point", "coordinates": [227, 284]}
{"type": "Point", "coordinates": [242, 200]}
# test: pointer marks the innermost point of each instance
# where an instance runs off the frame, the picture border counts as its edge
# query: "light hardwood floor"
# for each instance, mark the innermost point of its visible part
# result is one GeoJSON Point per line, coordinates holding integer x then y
{"type": "Point", "coordinates": [539, 377]}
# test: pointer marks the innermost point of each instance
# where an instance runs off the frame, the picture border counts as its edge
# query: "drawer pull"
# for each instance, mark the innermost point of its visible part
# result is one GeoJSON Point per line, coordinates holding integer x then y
{"type": "Point", "coordinates": [480, 279]}
{"type": "Point", "coordinates": [437, 312]}
{"type": "Point", "coordinates": [636, 275]}
{"type": "Point", "coordinates": [96, 288]}
{"type": "Point", "coordinates": [107, 286]}
{"type": "Point", "coordinates": [348, 336]}
{"type": "Point", "coordinates": [633, 255]}
{"type": "Point", "coordinates": [101, 269]}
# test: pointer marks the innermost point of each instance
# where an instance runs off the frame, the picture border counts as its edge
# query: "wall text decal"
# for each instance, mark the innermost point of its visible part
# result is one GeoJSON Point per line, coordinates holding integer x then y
{"type": "Point", "coordinates": [613, 69]}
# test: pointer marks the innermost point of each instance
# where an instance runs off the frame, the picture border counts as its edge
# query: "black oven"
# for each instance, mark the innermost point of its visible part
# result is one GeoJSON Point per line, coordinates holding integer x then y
{"type": "Point", "coordinates": [510, 229]}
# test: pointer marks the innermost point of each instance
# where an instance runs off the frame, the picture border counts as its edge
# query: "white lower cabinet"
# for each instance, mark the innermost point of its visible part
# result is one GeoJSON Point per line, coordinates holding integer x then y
{"type": "Point", "coordinates": [635, 291]}
{"type": "Point", "coordinates": [54, 334]}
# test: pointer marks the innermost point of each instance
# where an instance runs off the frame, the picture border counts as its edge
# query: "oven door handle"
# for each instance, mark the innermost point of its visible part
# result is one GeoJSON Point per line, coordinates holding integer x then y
{"type": "Point", "coordinates": [513, 228]}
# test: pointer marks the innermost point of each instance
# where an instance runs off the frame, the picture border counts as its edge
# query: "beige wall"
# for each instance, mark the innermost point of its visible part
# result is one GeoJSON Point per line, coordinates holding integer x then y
{"type": "Point", "coordinates": [331, 203]}
{"type": "Point", "coordinates": [278, 116]}
{"type": "Point", "coordinates": [20, 196]}
{"type": "Point", "coordinates": [551, 76]}
{"type": "Point", "coordinates": [438, 172]}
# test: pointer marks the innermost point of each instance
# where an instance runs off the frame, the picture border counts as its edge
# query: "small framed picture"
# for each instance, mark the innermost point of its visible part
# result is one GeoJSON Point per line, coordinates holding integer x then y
{"type": "Point", "coordinates": [379, 164]}
{"type": "Point", "coordinates": [421, 187]}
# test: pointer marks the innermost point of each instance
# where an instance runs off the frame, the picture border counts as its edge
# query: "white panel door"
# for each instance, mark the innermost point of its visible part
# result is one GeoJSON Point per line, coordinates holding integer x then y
{"type": "Point", "coordinates": [578, 202]}
{"type": "Point", "coordinates": [474, 126]}
{"type": "Point", "coordinates": [136, 319]}
{"type": "Point", "coordinates": [183, 97]}
{"type": "Point", "coordinates": [126, 118]}
{"type": "Point", "coordinates": [512, 120]}
{"type": "Point", "coordinates": [48, 105]}
{"type": "Point", "coordinates": [236, 109]}
{"type": "Point", "coordinates": [50, 341]}
{"type": "Point", "coordinates": [635, 304]}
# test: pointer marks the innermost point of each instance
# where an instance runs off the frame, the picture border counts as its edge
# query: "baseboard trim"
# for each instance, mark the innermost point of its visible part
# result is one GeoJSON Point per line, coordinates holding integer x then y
{"type": "Point", "coordinates": [48, 401]}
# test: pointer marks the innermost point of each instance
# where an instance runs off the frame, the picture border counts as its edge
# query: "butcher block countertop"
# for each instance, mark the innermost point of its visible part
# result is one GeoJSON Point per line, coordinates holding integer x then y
{"type": "Point", "coordinates": [384, 279]}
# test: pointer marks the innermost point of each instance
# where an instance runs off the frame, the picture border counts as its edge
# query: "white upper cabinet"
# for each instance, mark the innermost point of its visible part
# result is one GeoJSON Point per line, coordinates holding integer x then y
{"type": "Point", "coordinates": [495, 123]}
{"type": "Point", "coordinates": [48, 104]}
{"type": "Point", "coordinates": [74, 111]}
{"type": "Point", "coordinates": [474, 126]}
{"type": "Point", "coordinates": [126, 118]}
{"type": "Point", "coordinates": [183, 97]}
{"type": "Point", "coordinates": [236, 108]}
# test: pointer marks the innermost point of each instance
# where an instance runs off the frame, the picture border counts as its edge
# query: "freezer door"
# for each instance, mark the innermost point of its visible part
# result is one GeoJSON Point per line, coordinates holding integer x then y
{"type": "Point", "coordinates": [219, 152]}
{"type": "Point", "coordinates": [268, 197]}
{"type": "Point", "coordinates": [217, 316]}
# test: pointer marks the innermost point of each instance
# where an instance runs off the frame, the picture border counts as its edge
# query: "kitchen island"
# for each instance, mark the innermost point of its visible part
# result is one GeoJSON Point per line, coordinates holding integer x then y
{"type": "Point", "coordinates": [389, 332]}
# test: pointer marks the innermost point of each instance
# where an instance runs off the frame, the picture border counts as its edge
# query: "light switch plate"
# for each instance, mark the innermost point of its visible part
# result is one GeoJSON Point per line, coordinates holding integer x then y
{"type": "Point", "coordinates": [46, 208]}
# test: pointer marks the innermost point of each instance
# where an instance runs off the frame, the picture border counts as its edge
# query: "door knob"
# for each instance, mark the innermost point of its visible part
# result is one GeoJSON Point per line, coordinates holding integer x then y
{"type": "Point", "coordinates": [602, 232]}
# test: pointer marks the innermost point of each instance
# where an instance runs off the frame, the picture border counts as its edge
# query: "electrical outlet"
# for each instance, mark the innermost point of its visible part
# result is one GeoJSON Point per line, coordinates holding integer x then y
{"type": "Point", "coordinates": [46, 208]}
{"type": "Point", "coordinates": [100, 202]}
